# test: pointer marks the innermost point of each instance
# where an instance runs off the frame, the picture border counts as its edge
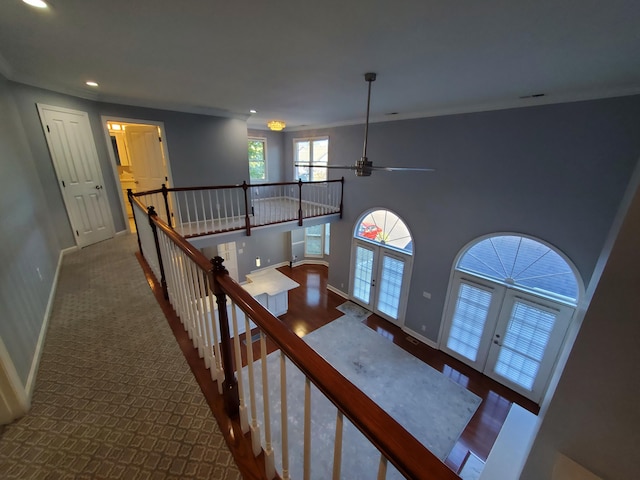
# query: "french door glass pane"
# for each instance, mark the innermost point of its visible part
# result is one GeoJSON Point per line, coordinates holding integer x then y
{"type": "Point", "coordinates": [390, 286]}
{"type": "Point", "coordinates": [524, 344]}
{"type": "Point", "coordinates": [468, 321]}
{"type": "Point", "coordinates": [363, 274]}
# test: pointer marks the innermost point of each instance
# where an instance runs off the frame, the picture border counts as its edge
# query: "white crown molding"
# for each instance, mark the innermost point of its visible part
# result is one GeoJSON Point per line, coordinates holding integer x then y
{"type": "Point", "coordinates": [549, 99]}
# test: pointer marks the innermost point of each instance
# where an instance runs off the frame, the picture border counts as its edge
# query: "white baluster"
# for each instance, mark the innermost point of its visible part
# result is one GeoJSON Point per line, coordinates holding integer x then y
{"type": "Point", "coordinates": [337, 447]}
{"type": "Point", "coordinates": [382, 468]}
{"type": "Point", "coordinates": [244, 423]}
{"type": "Point", "coordinates": [195, 211]}
{"type": "Point", "coordinates": [255, 428]}
{"type": "Point", "coordinates": [218, 374]}
{"type": "Point", "coordinates": [307, 429]}
{"type": "Point", "coordinates": [269, 462]}
{"type": "Point", "coordinates": [213, 227]}
{"type": "Point", "coordinates": [186, 203]}
{"type": "Point", "coordinates": [204, 212]}
{"type": "Point", "coordinates": [283, 416]}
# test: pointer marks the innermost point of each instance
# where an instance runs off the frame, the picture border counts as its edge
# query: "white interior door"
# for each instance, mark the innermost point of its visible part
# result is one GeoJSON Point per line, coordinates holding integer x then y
{"type": "Point", "coordinates": [145, 153]}
{"type": "Point", "coordinates": [77, 167]}
{"type": "Point", "coordinates": [379, 280]}
{"type": "Point", "coordinates": [228, 252]}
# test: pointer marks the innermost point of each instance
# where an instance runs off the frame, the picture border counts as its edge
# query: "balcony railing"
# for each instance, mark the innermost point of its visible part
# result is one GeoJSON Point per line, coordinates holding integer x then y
{"type": "Point", "coordinates": [198, 211]}
{"type": "Point", "coordinates": [213, 309]}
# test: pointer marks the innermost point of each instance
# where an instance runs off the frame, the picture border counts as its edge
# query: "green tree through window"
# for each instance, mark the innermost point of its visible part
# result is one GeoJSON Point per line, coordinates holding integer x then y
{"type": "Point", "coordinates": [257, 159]}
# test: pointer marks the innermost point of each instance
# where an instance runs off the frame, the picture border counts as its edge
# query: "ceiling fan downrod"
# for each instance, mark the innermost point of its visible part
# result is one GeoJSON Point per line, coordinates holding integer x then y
{"type": "Point", "coordinates": [364, 165]}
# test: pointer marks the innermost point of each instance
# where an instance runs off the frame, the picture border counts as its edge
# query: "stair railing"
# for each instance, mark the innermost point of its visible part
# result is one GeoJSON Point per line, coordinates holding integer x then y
{"type": "Point", "coordinates": [198, 211]}
{"type": "Point", "coordinates": [199, 291]}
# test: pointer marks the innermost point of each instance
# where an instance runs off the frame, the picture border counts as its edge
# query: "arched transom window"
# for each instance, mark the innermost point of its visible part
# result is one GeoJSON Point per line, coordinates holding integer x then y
{"type": "Point", "coordinates": [386, 228]}
{"type": "Point", "coordinates": [522, 262]}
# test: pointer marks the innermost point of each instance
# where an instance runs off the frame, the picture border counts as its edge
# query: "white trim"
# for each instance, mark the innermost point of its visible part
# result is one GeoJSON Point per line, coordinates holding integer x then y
{"type": "Point", "coordinates": [123, 232]}
{"type": "Point", "coordinates": [114, 165]}
{"type": "Point", "coordinates": [13, 396]}
{"type": "Point", "coordinates": [254, 181]}
{"type": "Point", "coordinates": [31, 379]}
{"type": "Point", "coordinates": [419, 337]}
{"type": "Point", "coordinates": [580, 301]}
{"type": "Point", "coordinates": [337, 291]}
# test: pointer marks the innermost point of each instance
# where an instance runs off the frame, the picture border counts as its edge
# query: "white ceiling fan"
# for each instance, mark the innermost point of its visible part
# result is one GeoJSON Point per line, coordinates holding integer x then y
{"type": "Point", "coordinates": [364, 166]}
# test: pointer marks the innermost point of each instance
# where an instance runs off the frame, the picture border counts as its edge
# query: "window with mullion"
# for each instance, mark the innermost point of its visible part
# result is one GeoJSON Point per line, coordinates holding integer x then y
{"type": "Point", "coordinates": [311, 156]}
{"type": "Point", "coordinates": [257, 159]}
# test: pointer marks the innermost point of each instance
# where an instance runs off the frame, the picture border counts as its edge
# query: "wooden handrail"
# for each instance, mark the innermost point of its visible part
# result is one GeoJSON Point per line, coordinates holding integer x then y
{"type": "Point", "coordinates": [401, 448]}
{"type": "Point", "coordinates": [237, 185]}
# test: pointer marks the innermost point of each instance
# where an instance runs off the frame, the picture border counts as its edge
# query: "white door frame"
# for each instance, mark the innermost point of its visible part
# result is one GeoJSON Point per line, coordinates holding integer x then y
{"type": "Point", "coordinates": [112, 156]}
{"type": "Point", "coordinates": [92, 144]}
{"type": "Point", "coordinates": [379, 252]}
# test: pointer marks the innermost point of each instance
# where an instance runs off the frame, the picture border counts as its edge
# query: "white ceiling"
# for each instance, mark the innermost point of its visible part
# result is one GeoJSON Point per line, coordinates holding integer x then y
{"type": "Point", "coordinates": [303, 62]}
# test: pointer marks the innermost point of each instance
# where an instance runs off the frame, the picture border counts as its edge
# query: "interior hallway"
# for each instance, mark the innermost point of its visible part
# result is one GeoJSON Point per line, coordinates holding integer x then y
{"type": "Point", "coordinates": [114, 397]}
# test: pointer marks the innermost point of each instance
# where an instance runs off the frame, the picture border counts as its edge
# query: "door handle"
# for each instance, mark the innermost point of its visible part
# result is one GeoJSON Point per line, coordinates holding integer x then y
{"type": "Point", "coordinates": [497, 343]}
{"type": "Point", "coordinates": [98, 187]}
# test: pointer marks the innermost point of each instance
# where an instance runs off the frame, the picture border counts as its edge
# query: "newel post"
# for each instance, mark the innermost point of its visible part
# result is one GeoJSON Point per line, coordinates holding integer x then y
{"type": "Point", "coordinates": [300, 202]}
{"type": "Point", "coordinates": [163, 281]}
{"type": "Point", "coordinates": [165, 194]}
{"type": "Point", "coordinates": [247, 222]}
{"type": "Point", "coordinates": [130, 197]}
{"type": "Point", "coordinates": [230, 383]}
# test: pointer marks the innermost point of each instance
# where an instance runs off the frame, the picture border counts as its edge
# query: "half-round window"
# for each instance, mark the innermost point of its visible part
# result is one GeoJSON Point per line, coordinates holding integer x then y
{"type": "Point", "coordinates": [524, 263]}
{"type": "Point", "coordinates": [386, 228]}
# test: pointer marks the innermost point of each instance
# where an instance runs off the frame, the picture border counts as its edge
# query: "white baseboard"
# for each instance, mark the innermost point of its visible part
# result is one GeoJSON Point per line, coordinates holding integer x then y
{"type": "Point", "coordinates": [122, 232]}
{"type": "Point", "coordinates": [422, 338]}
{"type": "Point", "coordinates": [14, 401]}
{"type": "Point", "coordinates": [333, 289]}
{"type": "Point", "coordinates": [31, 379]}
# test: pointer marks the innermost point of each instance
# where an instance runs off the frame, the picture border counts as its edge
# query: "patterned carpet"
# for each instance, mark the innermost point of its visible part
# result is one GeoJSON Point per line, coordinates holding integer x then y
{"type": "Point", "coordinates": [114, 397]}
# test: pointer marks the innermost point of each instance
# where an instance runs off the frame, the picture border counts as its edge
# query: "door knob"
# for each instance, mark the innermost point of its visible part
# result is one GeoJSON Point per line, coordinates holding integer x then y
{"type": "Point", "coordinates": [98, 187]}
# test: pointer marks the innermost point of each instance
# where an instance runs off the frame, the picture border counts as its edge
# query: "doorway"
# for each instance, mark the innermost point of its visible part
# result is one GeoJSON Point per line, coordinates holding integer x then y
{"type": "Point", "coordinates": [381, 261]}
{"type": "Point", "coordinates": [75, 160]}
{"type": "Point", "coordinates": [510, 303]}
{"type": "Point", "coordinates": [139, 158]}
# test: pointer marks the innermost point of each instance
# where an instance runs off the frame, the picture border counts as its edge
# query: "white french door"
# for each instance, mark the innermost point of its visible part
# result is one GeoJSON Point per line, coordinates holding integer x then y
{"type": "Point", "coordinates": [511, 336]}
{"type": "Point", "coordinates": [379, 280]}
{"type": "Point", "coordinates": [77, 167]}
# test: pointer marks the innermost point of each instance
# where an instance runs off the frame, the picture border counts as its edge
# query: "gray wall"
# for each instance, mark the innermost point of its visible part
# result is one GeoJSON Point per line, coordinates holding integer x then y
{"type": "Point", "coordinates": [272, 248]}
{"type": "Point", "coordinates": [35, 226]}
{"type": "Point", "coordinates": [202, 150]}
{"type": "Point", "coordinates": [594, 417]}
{"type": "Point", "coordinates": [28, 238]}
{"type": "Point", "coordinates": [555, 172]}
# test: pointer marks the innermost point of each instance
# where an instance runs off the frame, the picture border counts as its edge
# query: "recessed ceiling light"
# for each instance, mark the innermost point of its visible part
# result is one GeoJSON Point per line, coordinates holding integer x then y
{"type": "Point", "coordinates": [36, 3]}
{"type": "Point", "coordinates": [253, 111]}
{"type": "Point", "coordinates": [92, 84]}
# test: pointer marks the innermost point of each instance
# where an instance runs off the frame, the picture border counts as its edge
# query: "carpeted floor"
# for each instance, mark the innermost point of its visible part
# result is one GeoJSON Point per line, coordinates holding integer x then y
{"type": "Point", "coordinates": [114, 397]}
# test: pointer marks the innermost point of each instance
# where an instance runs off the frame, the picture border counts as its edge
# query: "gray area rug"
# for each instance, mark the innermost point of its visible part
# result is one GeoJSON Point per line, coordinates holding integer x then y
{"type": "Point", "coordinates": [429, 405]}
{"type": "Point", "coordinates": [114, 396]}
{"type": "Point", "coordinates": [353, 310]}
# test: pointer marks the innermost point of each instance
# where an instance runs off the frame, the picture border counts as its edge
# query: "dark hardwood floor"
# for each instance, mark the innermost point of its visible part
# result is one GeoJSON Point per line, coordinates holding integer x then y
{"type": "Point", "coordinates": [312, 306]}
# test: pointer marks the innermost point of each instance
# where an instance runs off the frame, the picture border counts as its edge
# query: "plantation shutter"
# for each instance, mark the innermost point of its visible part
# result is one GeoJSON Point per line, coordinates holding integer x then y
{"type": "Point", "coordinates": [469, 320]}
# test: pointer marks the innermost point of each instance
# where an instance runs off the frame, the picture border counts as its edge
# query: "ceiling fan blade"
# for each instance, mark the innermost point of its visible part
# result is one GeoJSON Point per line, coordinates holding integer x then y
{"type": "Point", "coordinates": [403, 169]}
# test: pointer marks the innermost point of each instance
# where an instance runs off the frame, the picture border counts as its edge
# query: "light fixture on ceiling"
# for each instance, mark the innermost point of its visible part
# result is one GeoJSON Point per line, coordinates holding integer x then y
{"type": "Point", "coordinates": [36, 3]}
{"type": "Point", "coordinates": [253, 111]}
{"type": "Point", "coordinates": [91, 83]}
{"type": "Point", "coordinates": [276, 125]}
{"type": "Point", "coordinates": [364, 166]}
